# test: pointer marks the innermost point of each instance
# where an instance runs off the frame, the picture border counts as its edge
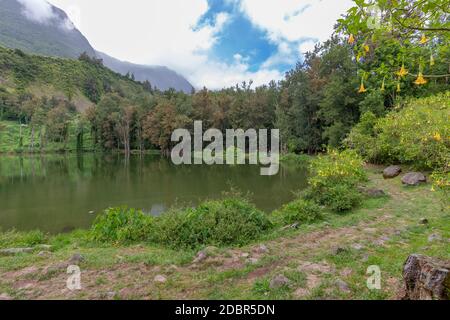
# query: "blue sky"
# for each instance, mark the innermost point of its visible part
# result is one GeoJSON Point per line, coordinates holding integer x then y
{"type": "Point", "coordinates": [213, 43]}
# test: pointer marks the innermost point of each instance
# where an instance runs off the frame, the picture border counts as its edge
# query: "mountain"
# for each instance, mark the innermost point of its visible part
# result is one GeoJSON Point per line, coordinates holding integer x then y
{"type": "Point", "coordinates": [161, 77]}
{"type": "Point", "coordinates": [49, 32]}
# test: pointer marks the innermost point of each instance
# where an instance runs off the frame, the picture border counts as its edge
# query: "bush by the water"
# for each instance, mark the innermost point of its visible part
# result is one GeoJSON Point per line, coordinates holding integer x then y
{"type": "Point", "coordinates": [298, 211]}
{"type": "Point", "coordinates": [418, 134]}
{"type": "Point", "coordinates": [225, 222]}
{"type": "Point", "coordinates": [335, 179]}
{"type": "Point", "coordinates": [122, 225]}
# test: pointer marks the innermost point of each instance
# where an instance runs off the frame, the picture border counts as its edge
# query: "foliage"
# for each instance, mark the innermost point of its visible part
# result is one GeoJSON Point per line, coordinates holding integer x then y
{"type": "Point", "coordinates": [219, 223]}
{"type": "Point", "coordinates": [395, 42]}
{"type": "Point", "coordinates": [21, 239]}
{"type": "Point", "coordinates": [299, 211]}
{"type": "Point", "coordinates": [417, 134]}
{"type": "Point", "coordinates": [121, 225]}
{"type": "Point", "coordinates": [335, 179]}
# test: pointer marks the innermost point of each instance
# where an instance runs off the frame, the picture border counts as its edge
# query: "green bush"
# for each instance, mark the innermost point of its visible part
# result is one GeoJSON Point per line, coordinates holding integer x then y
{"type": "Point", "coordinates": [218, 223]}
{"type": "Point", "coordinates": [335, 179]}
{"type": "Point", "coordinates": [298, 211]}
{"type": "Point", "coordinates": [418, 134]}
{"type": "Point", "coordinates": [122, 225]}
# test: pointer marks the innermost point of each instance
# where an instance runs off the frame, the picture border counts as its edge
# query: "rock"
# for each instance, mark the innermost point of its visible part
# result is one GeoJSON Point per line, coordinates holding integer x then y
{"type": "Point", "coordinates": [201, 256]}
{"type": "Point", "coordinates": [391, 172]}
{"type": "Point", "coordinates": [342, 286]}
{"type": "Point", "coordinates": [76, 259]}
{"type": "Point", "coordinates": [279, 281]}
{"type": "Point", "coordinates": [245, 255]}
{"type": "Point", "coordinates": [15, 251]}
{"type": "Point", "coordinates": [252, 261]}
{"type": "Point", "coordinates": [44, 254]}
{"type": "Point", "coordinates": [375, 193]}
{"type": "Point", "coordinates": [338, 250]}
{"type": "Point", "coordinates": [160, 279]}
{"type": "Point", "coordinates": [5, 297]}
{"type": "Point", "coordinates": [434, 237]}
{"type": "Point", "coordinates": [357, 246]}
{"type": "Point", "coordinates": [424, 221]}
{"type": "Point", "coordinates": [414, 179]}
{"type": "Point", "coordinates": [426, 278]}
{"type": "Point", "coordinates": [262, 249]}
{"type": "Point", "coordinates": [291, 226]}
{"type": "Point", "coordinates": [346, 272]}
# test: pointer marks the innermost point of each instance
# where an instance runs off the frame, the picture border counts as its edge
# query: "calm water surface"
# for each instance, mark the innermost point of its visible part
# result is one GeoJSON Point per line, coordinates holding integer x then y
{"type": "Point", "coordinates": [56, 193]}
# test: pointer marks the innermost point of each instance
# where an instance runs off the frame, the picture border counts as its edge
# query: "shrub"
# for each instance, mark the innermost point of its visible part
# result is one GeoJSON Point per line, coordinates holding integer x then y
{"type": "Point", "coordinates": [22, 239]}
{"type": "Point", "coordinates": [418, 134]}
{"type": "Point", "coordinates": [226, 222]}
{"type": "Point", "coordinates": [122, 225]}
{"type": "Point", "coordinates": [298, 211]}
{"type": "Point", "coordinates": [335, 179]}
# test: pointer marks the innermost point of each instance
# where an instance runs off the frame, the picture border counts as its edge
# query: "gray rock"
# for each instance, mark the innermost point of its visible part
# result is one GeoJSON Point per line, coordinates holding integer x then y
{"type": "Point", "coordinates": [392, 172]}
{"type": "Point", "coordinates": [245, 255]}
{"type": "Point", "coordinates": [375, 193]}
{"type": "Point", "coordinates": [414, 179]}
{"type": "Point", "coordinates": [434, 237]}
{"type": "Point", "coordinates": [201, 256]}
{"type": "Point", "coordinates": [424, 221]}
{"type": "Point", "coordinates": [15, 251]}
{"type": "Point", "coordinates": [44, 254]}
{"type": "Point", "coordinates": [262, 249]}
{"type": "Point", "coordinates": [358, 247]}
{"type": "Point", "coordinates": [342, 286]}
{"type": "Point", "coordinates": [76, 259]}
{"type": "Point", "coordinates": [279, 281]}
{"type": "Point", "coordinates": [252, 261]}
{"type": "Point", "coordinates": [160, 279]}
{"type": "Point", "coordinates": [338, 250]}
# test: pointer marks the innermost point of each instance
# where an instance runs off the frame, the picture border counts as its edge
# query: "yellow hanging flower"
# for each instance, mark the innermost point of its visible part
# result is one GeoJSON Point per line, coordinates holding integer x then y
{"type": "Point", "coordinates": [366, 48]}
{"type": "Point", "coordinates": [424, 39]}
{"type": "Point", "coordinates": [402, 72]}
{"type": "Point", "coordinates": [362, 89]}
{"type": "Point", "coordinates": [437, 137]}
{"type": "Point", "coordinates": [351, 39]}
{"type": "Point", "coordinates": [420, 80]}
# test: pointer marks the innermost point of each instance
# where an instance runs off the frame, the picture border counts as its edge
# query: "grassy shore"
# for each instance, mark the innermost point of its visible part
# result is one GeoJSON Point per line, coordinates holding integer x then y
{"type": "Point", "coordinates": [327, 259]}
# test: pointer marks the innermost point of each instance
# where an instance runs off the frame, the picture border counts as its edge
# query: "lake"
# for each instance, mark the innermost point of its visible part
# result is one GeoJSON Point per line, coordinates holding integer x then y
{"type": "Point", "coordinates": [58, 193]}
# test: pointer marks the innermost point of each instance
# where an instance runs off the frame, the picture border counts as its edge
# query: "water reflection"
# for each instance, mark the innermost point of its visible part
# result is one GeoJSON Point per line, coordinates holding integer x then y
{"type": "Point", "coordinates": [57, 193]}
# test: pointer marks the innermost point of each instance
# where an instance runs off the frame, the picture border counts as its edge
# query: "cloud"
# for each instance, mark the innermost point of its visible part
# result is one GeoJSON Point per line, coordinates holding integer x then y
{"type": "Point", "coordinates": [172, 33]}
{"type": "Point", "coordinates": [37, 10]}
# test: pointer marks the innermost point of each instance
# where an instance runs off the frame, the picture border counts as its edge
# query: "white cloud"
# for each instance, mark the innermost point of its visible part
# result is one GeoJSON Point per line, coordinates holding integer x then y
{"type": "Point", "coordinates": [165, 32]}
{"type": "Point", "coordinates": [37, 10]}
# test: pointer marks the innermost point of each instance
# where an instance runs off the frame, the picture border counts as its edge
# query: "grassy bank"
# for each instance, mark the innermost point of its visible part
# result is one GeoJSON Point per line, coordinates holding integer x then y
{"type": "Point", "coordinates": [381, 231]}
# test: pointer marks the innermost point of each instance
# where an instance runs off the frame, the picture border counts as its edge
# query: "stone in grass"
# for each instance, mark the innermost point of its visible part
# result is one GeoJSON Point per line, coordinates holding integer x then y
{"type": "Point", "coordinates": [261, 249]}
{"type": "Point", "coordinates": [338, 250]}
{"type": "Point", "coordinates": [160, 279]}
{"type": "Point", "coordinates": [434, 237]}
{"type": "Point", "coordinates": [375, 193]}
{"type": "Point", "coordinates": [391, 172]}
{"type": "Point", "coordinates": [424, 221]}
{"type": "Point", "coordinates": [343, 286]}
{"type": "Point", "coordinates": [15, 251]}
{"type": "Point", "coordinates": [279, 281]}
{"type": "Point", "coordinates": [414, 179]}
{"type": "Point", "coordinates": [76, 259]}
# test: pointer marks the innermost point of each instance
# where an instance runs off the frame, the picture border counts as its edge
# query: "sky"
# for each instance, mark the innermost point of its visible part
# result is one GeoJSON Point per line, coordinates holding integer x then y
{"type": "Point", "coordinates": [213, 43]}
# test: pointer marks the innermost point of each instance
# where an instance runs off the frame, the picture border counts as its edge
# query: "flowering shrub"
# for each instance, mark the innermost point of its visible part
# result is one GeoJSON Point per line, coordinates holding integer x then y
{"type": "Point", "coordinates": [418, 134]}
{"type": "Point", "coordinates": [335, 179]}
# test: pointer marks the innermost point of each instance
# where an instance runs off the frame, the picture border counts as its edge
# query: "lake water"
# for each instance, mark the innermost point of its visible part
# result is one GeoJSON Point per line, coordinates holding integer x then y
{"type": "Point", "coordinates": [58, 193]}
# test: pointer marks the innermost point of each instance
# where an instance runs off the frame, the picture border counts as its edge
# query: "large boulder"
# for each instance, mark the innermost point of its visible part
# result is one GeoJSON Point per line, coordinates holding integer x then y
{"type": "Point", "coordinates": [414, 179]}
{"type": "Point", "coordinates": [392, 172]}
{"type": "Point", "coordinates": [426, 278]}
